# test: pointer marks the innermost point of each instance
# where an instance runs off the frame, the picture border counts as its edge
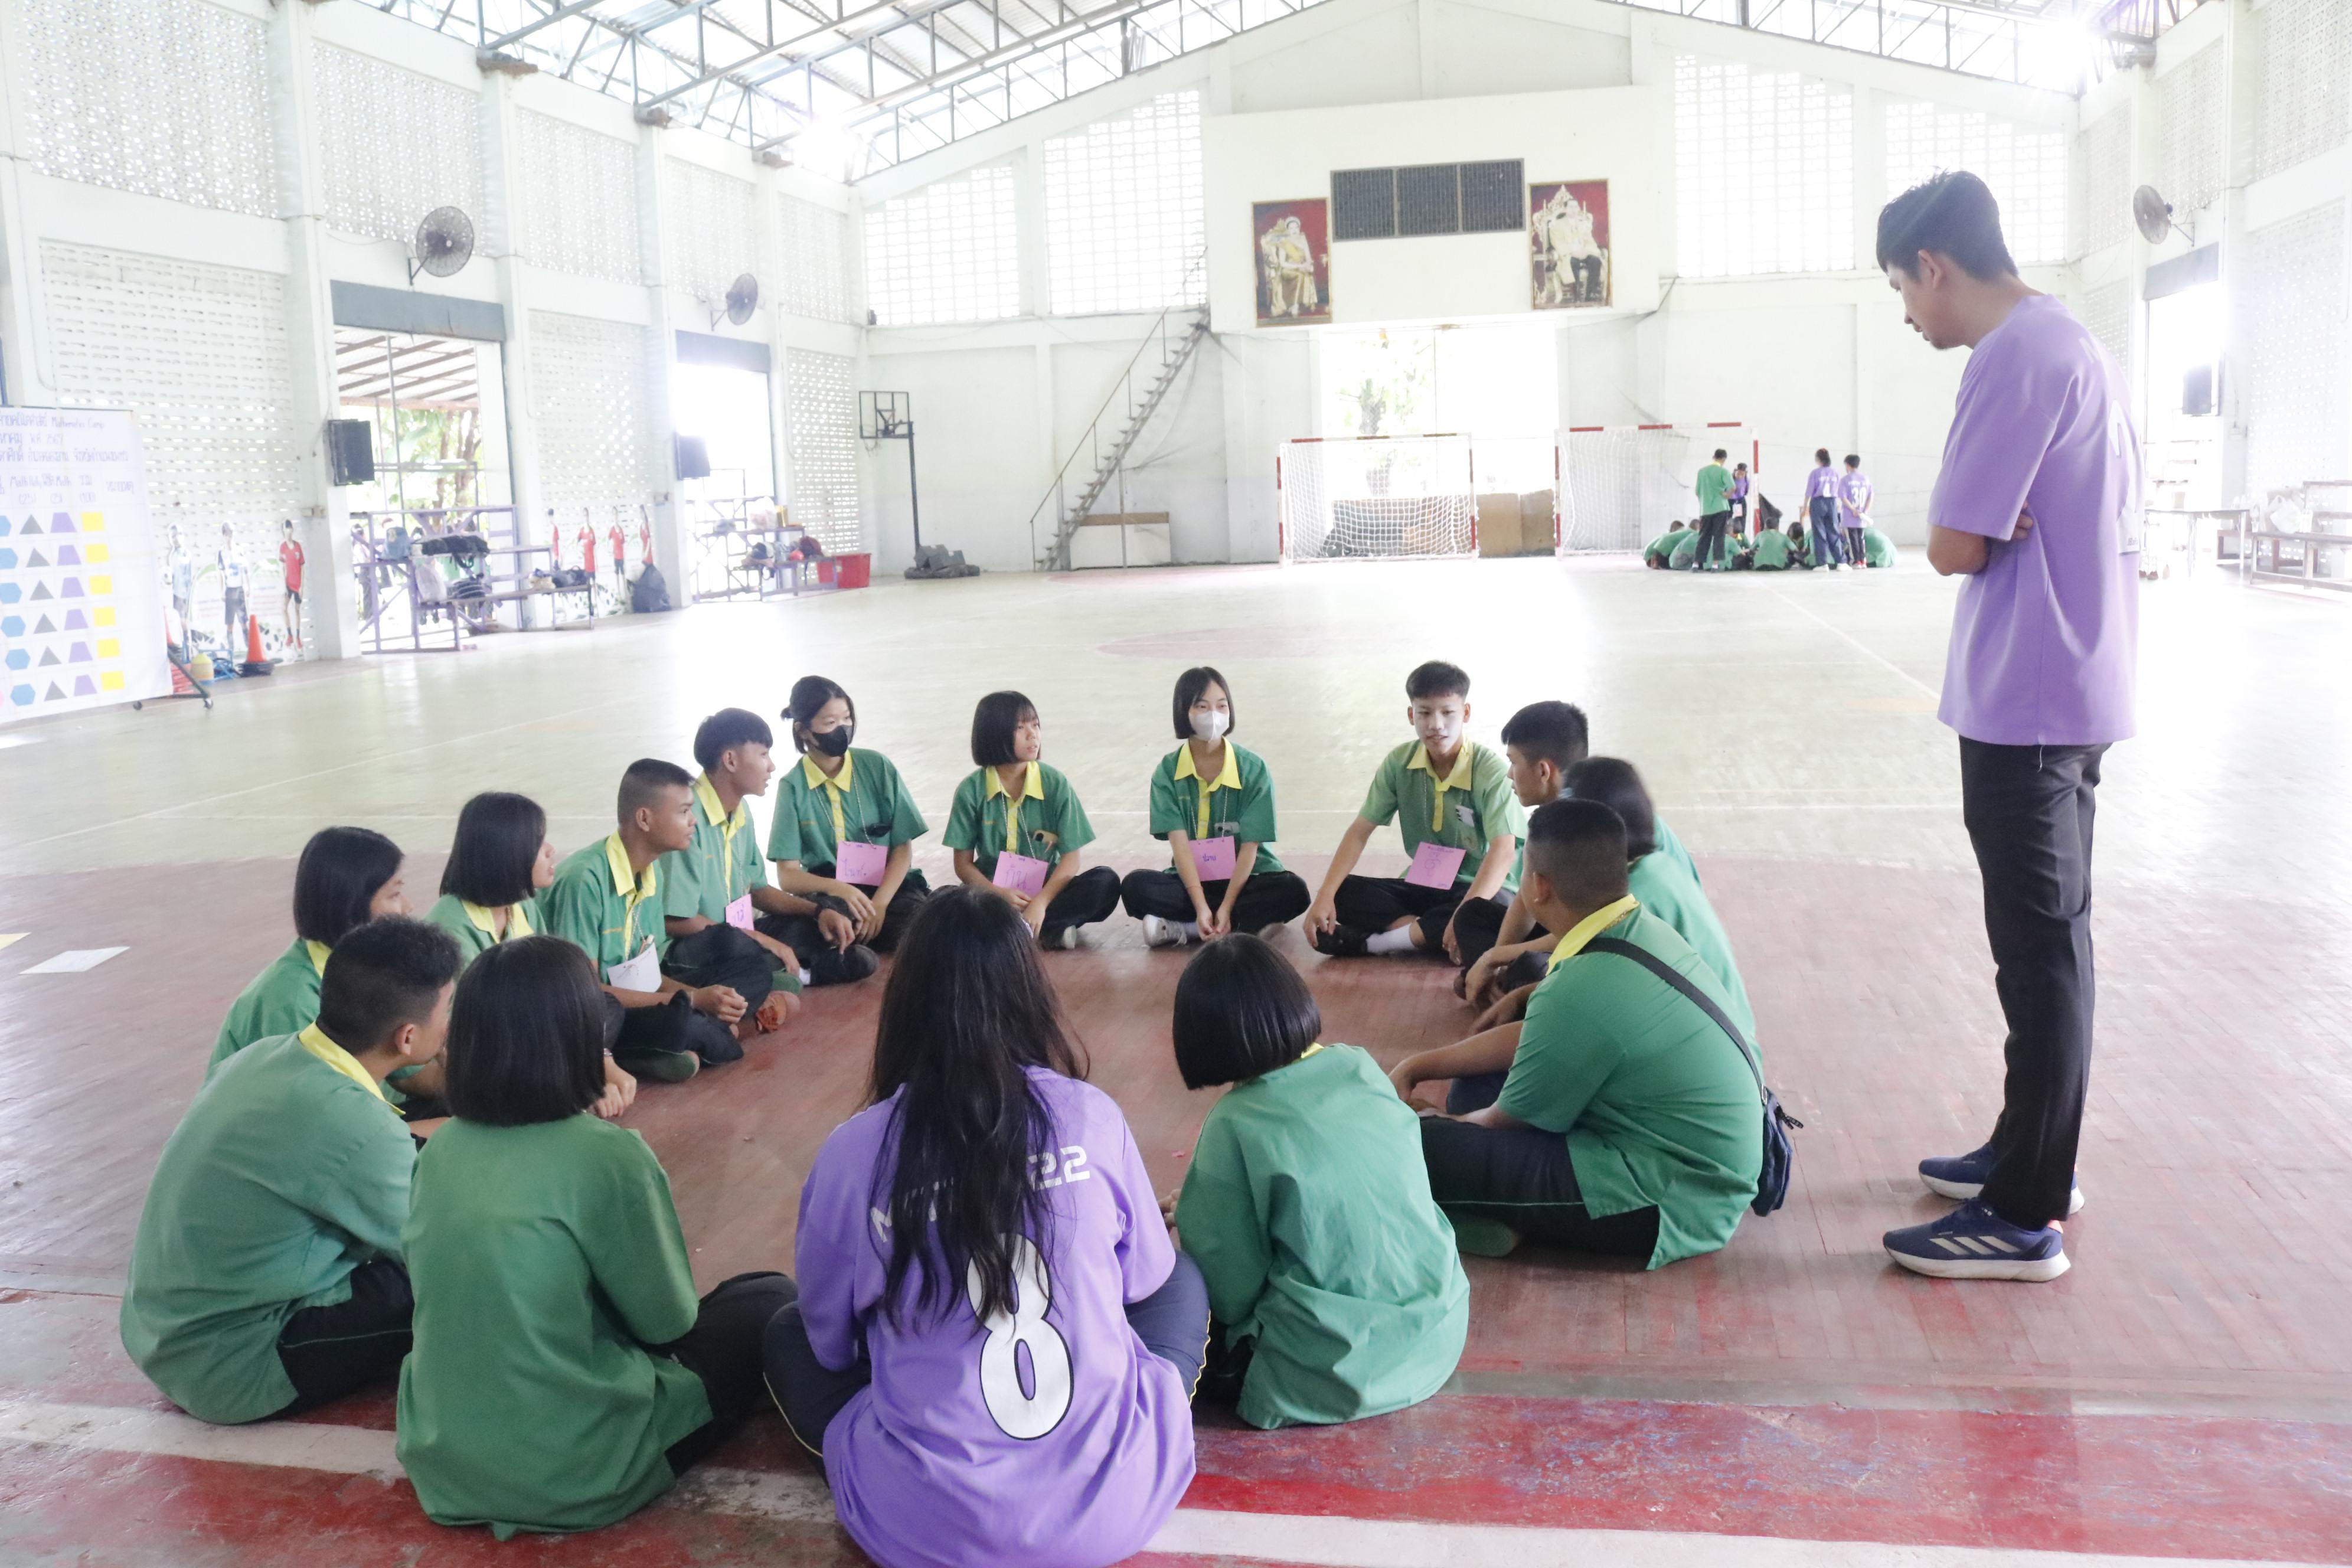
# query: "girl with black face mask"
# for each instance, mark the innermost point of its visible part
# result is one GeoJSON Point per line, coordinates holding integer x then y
{"type": "Point", "coordinates": [842, 837]}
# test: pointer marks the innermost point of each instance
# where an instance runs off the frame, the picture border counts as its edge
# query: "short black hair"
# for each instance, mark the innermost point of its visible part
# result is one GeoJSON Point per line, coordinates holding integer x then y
{"type": "Point", "coordinates": [498, 835]}
{"type": "Point", "coordinates": [1952, 213]}
{"type": "Point", "coordinates": [1437, 678]}
{"type": "Point", "coordinates": [1720, 454]}
{"type": "Point", "coordinates": [642, 781]}
{"type": "Point", "coordinates": [382, 975]}
{"type": "Point", "coordinates": [1821, 454]}
{"type": "Point", "coordinates": [1615, 783]}
{"type": "Point", "coordinates": [339, 874]}
{"type": "Point", "coordinates": [728, 730]}
{"type": "Point", "coordinates": [1241, 1011]}
{"type": "Point", "coordinates": [526, 1035]}
{"type": "Point", "coordinates": [1189, 687]}
{"type": "Point", "coordinates": [1554, 733]}
{"type": "Point", "coordinates": [809, 696]}
{"type": "Point", "coordinates": [1852, 461]}
{"type": "Point", "coordinates": [1736, 467]}
{"type": "Point", "coordinates": [994, 720]}
{"type": "Point", "coordinates": [1579, 847]}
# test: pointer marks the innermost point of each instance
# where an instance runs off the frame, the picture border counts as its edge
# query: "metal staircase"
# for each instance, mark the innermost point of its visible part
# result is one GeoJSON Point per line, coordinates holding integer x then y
{"type": "Point", "coordinates": [1108, 439]}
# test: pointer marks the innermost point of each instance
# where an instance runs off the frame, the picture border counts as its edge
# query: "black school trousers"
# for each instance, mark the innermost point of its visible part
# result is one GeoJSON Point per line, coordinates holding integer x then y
{"type": "Point", "coordinates": [1090, 896]}
{"type": "Point", "coordinates": [829, 965]}
{"type": "Point", "coordinates": [1267, 899]}
{"type": "Point", "coordinates": [330, 1351]}
{"type": "Point", "coordinates": [2029, 813]}
{"type": "Point", "coordinates": [720, 955]}
{"type": "Point", "coordinates": [1711, 530]}
{"type": "Point", "coordinates": [1373, 904]}
{"type": "Point", "coordinates": [1521, 1176]}
{"type": "Point", "coordinates": [723, 1350]}
{"type": "Point", "coordinates": [1478, 925]}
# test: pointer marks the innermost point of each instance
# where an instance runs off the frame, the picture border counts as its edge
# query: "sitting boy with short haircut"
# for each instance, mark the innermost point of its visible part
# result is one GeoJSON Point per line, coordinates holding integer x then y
{"type": "Point", "coordinates": [266, 1278]}
{"type": "Point", "coordinates": [1656, 554]}
{"type": "Point", "coordinates": [605, 900]}
{"type": "Point", "coordinates": [1771, 549]}
{"type": "Point", "coordinates": [1354, 915]}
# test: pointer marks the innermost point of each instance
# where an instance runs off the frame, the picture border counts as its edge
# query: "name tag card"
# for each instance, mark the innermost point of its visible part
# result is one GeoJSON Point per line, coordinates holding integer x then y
{"type": "Point", "coordinates": [1433, 865]}
{"type": "Point", "coordinates": [642, 972]}
{"type": "Point", "coordinates": [1022, 873]}
{"type": "Point", "coordinates": [739, 914]}
{"type": "Point", "coordinates": [861, 865]}
{"type": "Point", "coordinates": [1213, 858]}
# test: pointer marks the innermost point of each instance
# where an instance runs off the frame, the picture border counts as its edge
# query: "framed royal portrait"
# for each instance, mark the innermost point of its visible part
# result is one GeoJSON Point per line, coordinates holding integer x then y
{"type": "Point", "coordinates": [1568, 240]}
{"type": "Point", "coordinates": [1291, 257]}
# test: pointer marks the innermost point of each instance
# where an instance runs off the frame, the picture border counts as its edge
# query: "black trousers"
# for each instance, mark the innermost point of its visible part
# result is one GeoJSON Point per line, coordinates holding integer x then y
{"type": "Point", "coordinates": [671, 1029]}
{"type": "Point", "coordinates": [1521, 1176]}
{"type": "Point", "coordinates": [897, 915]}
{"type": "Point", "coordinates": [330, 1351]}
{"type": "Point", "coordinates": [1173, 1322]}
{"type": "Point", "coordinates": [723, 1350]}
{"type": "Point", "coordinates": [1711, 529]}
{"type": "Point", "coordinates": [1478, 926]}
{"type": "Point", "coordinates": [1089, 897]}
{"type": "Point", "coordinates": [1375, 903]}
{"type": "Point", "coordinates": [722, 955]}
{"type": "Point", "coordinates": [1267, 899]}
{"type": "Point", "coordinates": [2029, 812]}
{"type": "Point", "coordinates": [1853, 552]}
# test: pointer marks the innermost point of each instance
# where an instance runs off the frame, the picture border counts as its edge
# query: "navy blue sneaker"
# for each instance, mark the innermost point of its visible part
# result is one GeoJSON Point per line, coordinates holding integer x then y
{"type": "Point", "coordinates": [1974, 1243]}
{"type": "Point", "coordinates": [1964, 1177]}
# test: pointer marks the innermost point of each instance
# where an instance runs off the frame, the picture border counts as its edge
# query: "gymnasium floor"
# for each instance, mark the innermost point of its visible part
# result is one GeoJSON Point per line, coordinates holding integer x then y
{"type": "Point", "coordinates": [2186, 1393]}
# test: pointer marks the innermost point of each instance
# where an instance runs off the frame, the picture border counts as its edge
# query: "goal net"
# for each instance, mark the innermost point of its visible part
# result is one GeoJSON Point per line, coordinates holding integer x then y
{"type": "Point", "coordinates": [1621, 485]}
{"type": "Point", "coordinates": [1377, 495]}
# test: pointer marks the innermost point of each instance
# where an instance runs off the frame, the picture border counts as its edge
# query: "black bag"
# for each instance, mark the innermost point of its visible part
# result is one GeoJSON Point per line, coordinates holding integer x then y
{"type": "Point", "coordinates": [1779, 1155]}
{"type": "Point", "coordinates": [1767, 514]}
{"type": "Point", "coordinates": [651, 595]}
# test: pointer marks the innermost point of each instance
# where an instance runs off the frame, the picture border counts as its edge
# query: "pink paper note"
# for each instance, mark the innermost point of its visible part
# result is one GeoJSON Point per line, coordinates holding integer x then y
{"type": "Point", "coordinates": [1022, 873]}
{"type": "Point", "coordinates": [1433, 865]}
{"type": "Point", "coordinates": [860, 865]}
{"type": "Point", "coordinates": [739, 914]}
{"type": "Point", "coordinates": [1212, 858]}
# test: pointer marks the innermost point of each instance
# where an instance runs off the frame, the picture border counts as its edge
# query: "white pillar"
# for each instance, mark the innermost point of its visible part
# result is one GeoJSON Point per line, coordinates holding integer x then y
{"type": "Point", "coordinates": [20, 308]}
{"type": "Point", "coordinates": [660, 458]}
{"type": "Point", "coordinates": [501, 246]}
{"type": "Point", "coordinates": [2243, 71]}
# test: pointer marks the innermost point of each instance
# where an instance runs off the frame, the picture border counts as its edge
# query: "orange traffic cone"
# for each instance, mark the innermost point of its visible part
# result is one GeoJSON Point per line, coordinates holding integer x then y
{"type": "Point", "coordinates": [256, 661]}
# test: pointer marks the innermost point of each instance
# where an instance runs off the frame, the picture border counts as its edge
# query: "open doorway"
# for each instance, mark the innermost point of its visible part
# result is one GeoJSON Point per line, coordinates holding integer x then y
{"type": "Point", "coordinates": [2184, 388]}
{"type": "Point", "coordinates": [719, 401]}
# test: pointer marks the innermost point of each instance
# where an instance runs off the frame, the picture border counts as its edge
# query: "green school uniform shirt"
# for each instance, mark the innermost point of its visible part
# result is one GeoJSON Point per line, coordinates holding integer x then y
{"type": "Point", "coordinates": [470, 925]}
{"type": "Point", "coordinates": [1877, 548]}
{"type": "Point", "coordinates": [1684, 552]}
{"type": "Point", "coordinates": [545, 1259]}
{"type": "Point", "coordinates": [1472, 805]}
{"type": "Point", "coordinates": [594, 905]}
{"type": "Point", "coordinates": [1659, 1108]}
{"type": "Point", "coordinates": [865, 802]}
{"type": "Point", "coordinates": [282, 999]}
{"type": "Point", "coordinates": [1659, 549]}
{"type": "Point", "coordinates": [1772, 551]}
{"type": "Point", "coordinates": [721, 865]}
{"type": "Point", "coordinates": [1714, 489]}
{"type": "Point", "coordinates": [289, 1170]}
{"type": "Point", "coordinates": [1308, 1209]}
{"type": "Point", "coordinates": [1045, 824]}
{"type": "Point", "coordinates": [1239, 803]}
{"type": "Point", "coordinates": [1673, 895]}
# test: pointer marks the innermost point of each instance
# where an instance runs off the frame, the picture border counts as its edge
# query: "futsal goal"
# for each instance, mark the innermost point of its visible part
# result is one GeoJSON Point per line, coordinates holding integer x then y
{"type": "Point", "coordinates": [1621, 486]}
{"type": "Point", "coordinates": [1359, 496]}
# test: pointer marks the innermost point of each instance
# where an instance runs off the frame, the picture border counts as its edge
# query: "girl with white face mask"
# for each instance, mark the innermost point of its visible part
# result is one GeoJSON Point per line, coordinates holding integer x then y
{"type": "Point", "coordinates": [1213, 802]}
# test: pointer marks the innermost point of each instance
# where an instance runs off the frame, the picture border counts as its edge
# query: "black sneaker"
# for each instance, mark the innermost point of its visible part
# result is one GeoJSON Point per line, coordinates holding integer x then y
{"type": "Point", "coordinates": [1341, 942]}
{"type": "Point", "coordinates": [844, 966]}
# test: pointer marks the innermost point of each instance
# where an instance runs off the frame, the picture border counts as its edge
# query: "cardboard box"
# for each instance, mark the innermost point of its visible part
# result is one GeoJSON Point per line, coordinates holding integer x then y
{"type": "Point", "coordinates": [1536, 523]}
{"type": "Point", "coordinates": [1498, 524]}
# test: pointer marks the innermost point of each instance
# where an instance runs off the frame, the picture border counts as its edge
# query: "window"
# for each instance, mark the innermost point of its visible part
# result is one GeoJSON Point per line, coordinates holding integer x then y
{"type": "Point", "coordinates": [706, 221]}
{"type": "Point", "coordinates": [2306, 53]}
{"type": "Point", "coordinates": [393, 145]}
{"type": "Point", "coordinates": [579, 199]}
{"type": "Point", "coordinates": [2025, 167]}
{"type": "Point", "coordinates": [1124, 211]}
{"type": "Point", "coordinates": [1764, 170]}
{"type": "Point", "coordinates": [2191, 123]}
{"type": "Point", "coordinates": [821, 446]}
{"type": "Point", "coordinates": [948, 252]}
{"type": "Point", "coordinates": [816, 260]}
{"type": "Point", "coordinates": [1431, 198]}
{"type": "Point", "coordinates": [2103, 181]}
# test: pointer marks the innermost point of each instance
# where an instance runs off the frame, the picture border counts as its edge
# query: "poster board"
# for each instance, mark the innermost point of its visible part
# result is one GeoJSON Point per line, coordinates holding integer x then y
{"type": "Point", "coordinates": [81, 612]}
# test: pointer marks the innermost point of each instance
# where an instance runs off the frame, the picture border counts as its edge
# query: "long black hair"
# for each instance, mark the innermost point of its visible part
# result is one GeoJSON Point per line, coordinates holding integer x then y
{"type": "Point", "coordinates": [968, 1012]}
{"type": "Point", "coordinates": [337, 879]}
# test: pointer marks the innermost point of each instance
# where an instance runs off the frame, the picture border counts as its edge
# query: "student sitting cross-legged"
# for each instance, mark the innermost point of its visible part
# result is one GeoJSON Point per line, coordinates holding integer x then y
{"type": "Point", "coordinates": [715, 891]}
{"type": "Point", "coordinates": [1016, 827]}
{"type": "Point", "coordinates": [1771, 549]}
{"type": "Point", "coordinates": [563, 1371]}
{"type": "Point", "coordinates": [499, 862]}
{"type": "Point", "coordinates": [1213, 802]}
{"type": "Point", "coordinates": [605, 902]}
{"type": "Point", "coordinates": [1333, 1278]}
{"type": "Point", "coordinates": [265, 1277]}
{"type": "Point", "coordinates": [1620, 1117]}
{"type": "Point", "coordinates": [347, 877]}
{"type": "Point", "coordinates": [996, 1343]}
{"type": "Point", "coordinates": [1451, 798]}
{"type": "Point", "coordinates": [842, 837]}
{"type": "Point", "coordinates": [1659, 551]}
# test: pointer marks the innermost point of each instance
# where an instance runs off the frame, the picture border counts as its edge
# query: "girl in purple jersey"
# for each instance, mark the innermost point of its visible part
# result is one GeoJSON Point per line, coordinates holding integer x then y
{"type": "Point", "coordinates": [995, 1348]}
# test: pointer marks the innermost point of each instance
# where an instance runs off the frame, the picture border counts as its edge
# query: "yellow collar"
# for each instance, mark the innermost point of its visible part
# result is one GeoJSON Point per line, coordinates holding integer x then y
{"type": "Point", "coordinates": [817, 777]}
{"type": "Point", "coordinates": [706, 795]}
{"type": "Point", "coordinates": [341, 1060]}
{"type": "Point", "coordinates": [318, 951]}
{"type": "Point", "coordinates": [636, 889]}
{"type": "Point", "coordinates": [1591, 926]}
{"type": "Point", "coordinates": [518, 919]}
{"type": "Point", "coordinates": [1464, 768]}
{"type": "Point", "coordinates": [1032, 787]}
{"type": "Point", "coordinates": [1228, 777]}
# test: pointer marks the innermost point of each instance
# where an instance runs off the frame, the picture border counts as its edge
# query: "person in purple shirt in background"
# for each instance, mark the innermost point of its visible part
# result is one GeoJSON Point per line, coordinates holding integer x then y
{"type": "Point", "coordinates": [1821, 510]}
{"type": "Point", "coordinates": [1854, 494]}
{"type": "Point", "coordinates": [997, 1345]}
{"type": "Point", "coordinates": [1739, 486]}
{"type": "Point", "coordinates": [2038, 506]}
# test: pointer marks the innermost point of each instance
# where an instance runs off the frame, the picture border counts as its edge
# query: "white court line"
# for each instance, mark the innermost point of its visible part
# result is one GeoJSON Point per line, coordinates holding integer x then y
{"type": "Point", "coordinates": [1340, 1542]}
{"type": "Point", "coordinates": [1856, 642]}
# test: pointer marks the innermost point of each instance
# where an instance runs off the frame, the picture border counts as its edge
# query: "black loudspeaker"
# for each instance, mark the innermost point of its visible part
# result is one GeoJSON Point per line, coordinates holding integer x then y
{"type": "Point", "coordinates": [2196, 391]}
{"type": "Point", "coordinates": [693, 458]}
{"type": "Point", "coordinates": [350, 451]}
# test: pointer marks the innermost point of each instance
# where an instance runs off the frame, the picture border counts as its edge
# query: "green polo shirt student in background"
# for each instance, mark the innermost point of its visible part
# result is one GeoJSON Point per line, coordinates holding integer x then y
{"type": "Point", "coordinates": [563, 1371]}
{"type": "Point", "coordinates": [1014, 805]}
{"type": "Point", "coordinates": [1771, 549]}
{"type": "Point", "coordinates": [605, 902]}
{"type": "Point", "coordinates": [1334, 1284]}
{"type": "Point", "coordinates": [1620, 1118]}
{"type": "Point", "coordinates": [265, 1277]}
{"type": "Point", "coordinates": [1877, 549]}
{"type": "Point", "coordinates": [1210, 788]}
{"type": "Point", "coordinates": [499, 862]}
{"type": "Point", "coordinates": [1683, 556]}
{"type": "Point", "coordinates": [1443, 789]}
{"type": "Point", "coordinates": [1660, 551]}
{"type": "Point", "coordinates": [347, 877]}
{"type": "Point", "coordinates": [839, 794]}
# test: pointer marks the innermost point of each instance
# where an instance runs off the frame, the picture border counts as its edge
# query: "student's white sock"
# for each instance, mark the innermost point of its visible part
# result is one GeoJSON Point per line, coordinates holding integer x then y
{"type": "Point", "coordinates": [1189, 930]}
{"type": "Point", "coordinates": [1397, 941]}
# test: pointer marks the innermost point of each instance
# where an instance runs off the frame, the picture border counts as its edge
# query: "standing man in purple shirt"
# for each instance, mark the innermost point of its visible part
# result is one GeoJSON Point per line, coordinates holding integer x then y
{"type": "Point", "coordinates": [1821, 510]}
{"type": "Point", "coordinates": [1855, 496]}
{"type": "Point", "coordinates": [2038, 506]}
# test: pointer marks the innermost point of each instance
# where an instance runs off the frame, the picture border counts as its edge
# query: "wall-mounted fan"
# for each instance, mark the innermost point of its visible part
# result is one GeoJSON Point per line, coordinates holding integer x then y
{"type": "Point", "coordinates": [444, 244]}
{"type": "Point", "coordinates": [2153, 213]}
{"type": "Point", "coordinates": [742, 299]}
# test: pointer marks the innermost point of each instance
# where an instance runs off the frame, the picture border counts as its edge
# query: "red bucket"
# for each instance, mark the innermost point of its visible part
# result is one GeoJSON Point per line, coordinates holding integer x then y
{"type": "Point", "coordinates": [856, 570]}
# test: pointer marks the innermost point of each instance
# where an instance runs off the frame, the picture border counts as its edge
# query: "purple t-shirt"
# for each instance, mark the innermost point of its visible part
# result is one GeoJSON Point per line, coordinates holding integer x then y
{"type": "Point", "coordinates": [1853, 499]}
{"type": "Point", "coordinates": [2045, 640]}
{"type": "Point", "coordinates": [1821, 481]}
{"type": "Point", "coordinates": [945, 1459]}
